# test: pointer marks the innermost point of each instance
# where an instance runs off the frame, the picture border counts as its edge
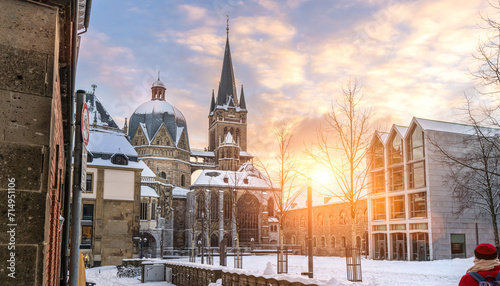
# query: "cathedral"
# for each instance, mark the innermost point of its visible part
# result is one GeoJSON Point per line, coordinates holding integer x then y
{"type": "Point", "coordinates": [230, 194]}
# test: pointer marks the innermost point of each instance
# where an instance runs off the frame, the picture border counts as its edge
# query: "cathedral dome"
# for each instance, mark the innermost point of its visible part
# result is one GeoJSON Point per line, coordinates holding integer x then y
{"type": "Point", "coordinates": [152, 115]}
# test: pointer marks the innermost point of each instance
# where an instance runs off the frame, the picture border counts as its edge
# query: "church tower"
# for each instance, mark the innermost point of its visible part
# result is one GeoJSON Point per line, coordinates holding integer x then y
{"type": "Point", "coordinates": [228, 115]}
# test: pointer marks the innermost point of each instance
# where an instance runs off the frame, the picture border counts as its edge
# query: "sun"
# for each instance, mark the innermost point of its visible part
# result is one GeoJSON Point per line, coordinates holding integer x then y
{"type": "Point", "coordinates": [321, 177]}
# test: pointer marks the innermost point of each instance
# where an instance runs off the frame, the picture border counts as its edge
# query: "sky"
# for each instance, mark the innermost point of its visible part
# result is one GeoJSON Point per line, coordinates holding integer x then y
{"type": "Point", "coordinates": [412, 58]}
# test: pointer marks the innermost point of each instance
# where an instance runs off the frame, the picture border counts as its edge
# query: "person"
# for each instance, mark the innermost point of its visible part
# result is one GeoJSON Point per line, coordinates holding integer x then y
{"type": "Point", "coordinates": [486, 264]}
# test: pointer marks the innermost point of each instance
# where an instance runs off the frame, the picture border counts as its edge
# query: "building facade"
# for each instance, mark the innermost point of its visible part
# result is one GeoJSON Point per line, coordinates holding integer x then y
{"type": "Point", "coordinates": [110, 201]}
{"type": "Point", "coordinates": [331, 228]}
{"type": "Point", "coordinates": [412, 210]}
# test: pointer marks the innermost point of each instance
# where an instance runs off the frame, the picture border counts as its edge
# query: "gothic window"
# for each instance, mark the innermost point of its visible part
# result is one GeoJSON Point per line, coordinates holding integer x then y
{"type": "Point", "coordinates": [322, 241]}
{"type": "Point", "coordinates": [315, 241]}
{"type": "Point", "coordinates": [302, 221]}
{"type": "Point", "coordinates": [163, 175]}
{"type": "Point", "coordinates": [225, 131]}
{"type": "Point", "coordinates": [200, 204]}
{"type": "Point", "coordinates": [320, 220]}
{"type": "Point", "coordinates": [342, 217]}
{"type": "Point", "coordinates": [183, 180]}
{"type": "Point", "coordinates": [270, 205]}
{"type": "Point", "coordinates": [153, 210]}
{"type": "Point", "coordinates": [214, 205]}
{"type": "Point", "coordinates": [332, 241]}
{"type": "Point", "coordinates": [144, 210]}
{"type": "Point", "coordinates": [231, 130]}
{"type": "Point", "coordinates": [227, 206]}
{"type": "Point", "coordinates": [248, 217]}
{"type": "Point", "coordinates": [237, 135]}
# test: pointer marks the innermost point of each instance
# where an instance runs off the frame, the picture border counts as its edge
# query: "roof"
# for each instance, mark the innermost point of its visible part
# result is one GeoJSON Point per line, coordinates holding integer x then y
{"type": "Point", "coordinates": [153, 114]}
{"type": "Point", "coordinates": [148, 192]}
{"type": "Point", "coordinates": [99, 162]}
{"type": "Point", "coordinates": [98, 113]}
{"type": "Point", "coordinates": [401, 130]}
{"type": "Point", "coordinates": [110, 142]}
{"type": "Point", "coordinates": [201, 153]}
{"type": "Point", "coordinates": [178, 192]}
{"type": "Point", "coordinates": [215, 179]}
{"type": "Point", "coordinates": [443, 126]}
{"type": "Point", "coordinates": [227, 86]}
{"type": "Point", "coordinates": [159, 83]}
{"type": "Point", "coordinates": [146, 171]}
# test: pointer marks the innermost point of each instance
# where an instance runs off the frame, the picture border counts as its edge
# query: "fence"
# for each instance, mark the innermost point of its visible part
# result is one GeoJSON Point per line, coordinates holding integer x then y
{"type": "Point", "coordinates": [190, 274]}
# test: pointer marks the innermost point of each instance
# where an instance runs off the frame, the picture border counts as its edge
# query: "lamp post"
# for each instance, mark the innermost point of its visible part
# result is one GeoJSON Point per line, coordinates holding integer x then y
{"type": "Point", "coordinates": [309, 228]}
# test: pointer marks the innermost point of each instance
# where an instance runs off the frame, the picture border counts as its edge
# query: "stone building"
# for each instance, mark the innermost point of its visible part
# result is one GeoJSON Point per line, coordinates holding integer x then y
{"type": "Point", "coordinates": [110, 203]}
{"type": "Point", "coordinates": [331, 228]}
{"type": "Point", "coordinates": [412, 211]}
{"type": "Point", "coordinates": [37, 71]}
{"type": "Point", "coordinates": [223, 204]}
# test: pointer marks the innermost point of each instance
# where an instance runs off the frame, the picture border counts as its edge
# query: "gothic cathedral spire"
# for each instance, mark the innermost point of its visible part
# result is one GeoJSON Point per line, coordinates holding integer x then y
{"type": "Point", "coordinates": [227, 84]}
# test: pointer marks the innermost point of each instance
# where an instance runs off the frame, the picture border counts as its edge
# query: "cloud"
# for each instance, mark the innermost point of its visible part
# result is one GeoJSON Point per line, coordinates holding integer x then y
{"type": "Point", "coordinates": [193, 13]}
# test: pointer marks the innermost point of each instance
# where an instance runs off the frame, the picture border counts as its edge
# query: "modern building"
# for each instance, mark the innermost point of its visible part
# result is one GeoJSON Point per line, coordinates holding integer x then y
{"type": "Point", "coordinates": [412, 211]}
{"type": "Point", "coordinates": [110, 202]}
{"type": "Point", "coordinates": [37, 72]}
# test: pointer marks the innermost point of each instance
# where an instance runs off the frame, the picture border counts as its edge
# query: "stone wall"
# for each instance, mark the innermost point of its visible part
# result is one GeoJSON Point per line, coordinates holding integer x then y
{"type": "Point", "coordinates": [31, 139]}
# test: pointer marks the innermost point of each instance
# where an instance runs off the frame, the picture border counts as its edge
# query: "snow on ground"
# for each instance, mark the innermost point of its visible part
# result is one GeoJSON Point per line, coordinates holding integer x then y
{"type": "Point", "coordinates": [331, 271]}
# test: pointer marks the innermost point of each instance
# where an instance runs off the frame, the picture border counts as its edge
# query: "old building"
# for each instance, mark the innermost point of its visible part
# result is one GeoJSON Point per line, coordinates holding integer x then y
{"type": "Point", "coordinates": [331, 227]}
{"type": "Point", "coordinates": [223, 204]}
{"type": "Point", "coordinates": [37, 71]}
{"type": "Point", "coordinates": [412, 211]}
{"type": "Point", "coordinates": [110, 203]}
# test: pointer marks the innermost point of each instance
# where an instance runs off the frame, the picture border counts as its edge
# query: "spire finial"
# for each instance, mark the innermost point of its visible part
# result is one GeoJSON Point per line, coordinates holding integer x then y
{"type": "Point", "coordinates": [227, 25]}
{"type": "Point", "coordinates": [93, 88]}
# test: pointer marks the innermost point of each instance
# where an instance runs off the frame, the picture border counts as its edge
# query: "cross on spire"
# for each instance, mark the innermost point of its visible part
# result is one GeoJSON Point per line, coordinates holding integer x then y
{"type": "Point", "coordinates": [227, 25]}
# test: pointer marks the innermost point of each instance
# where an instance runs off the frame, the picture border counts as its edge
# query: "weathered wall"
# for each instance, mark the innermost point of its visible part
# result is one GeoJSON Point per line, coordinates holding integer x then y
{"type": "Point", "coordinates": [31, 144]}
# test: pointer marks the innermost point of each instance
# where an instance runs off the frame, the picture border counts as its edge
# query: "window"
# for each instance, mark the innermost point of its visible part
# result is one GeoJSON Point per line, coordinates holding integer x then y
{"type": "Point", "coordinates": [119, 159]}
{"type": "Point", "coordinates": [214, 205]}
{"type": "Point", "coordinates": [183, 180]}
{"type": "Point", "coordinates": [293, 239]}
{"type": "Point", "coordinates": [227, 206]}
{"type": "Point", "coordinates": [343, 241]}
{"type": "Point", "coordinates": [358, 241]}
{"type": "Point", "coordinates": [89, 183]}
{"type": "Point", "coordinates": [377, 155]}
{"type": "Point", "coordinates": [342, 217]}
{"type": "Point", "coordinates": [396, 150]}
{"type": "Point", "coordinates": [86, 236]}
{"type": "Point", "coordinates": [418, 205]}
{"type": "Point", "coordinates": [88, 212]}
{"type": "Point", "coordinates": [378, 182]}
{"type": "Point", "coordinates": [270, 203]}
{"type": "Point", "coordinates": [417, 175]}
{"type": "Point", "coordinates": [315, 241]}
{"type": "Point", "coordinates": [302, 221]}
{"type": "Point", "coordinates": [382, 227]}
{"type": "Point", "coordinates": [320, 220]}
{"type": "Point", "coordinates": [416, 144]}
{"type": "Point", "coordinates": [397, 207]}
{"type": "Point", "coordinates": [396, 178]}
{"type": "Point", "coordinates": [144, 210]}
{"type": "Point", "coordinates": [414, 226]}
{"type": "Point", "coordinates": [153, 210]}
{"type": "Point", "coordinates": [398, 226]}
{"type": "Point", "coordinates": [379, 209]}
{"type": "Point", "coordinates": [332, 241]}
{"type": "Point", "coordinates": [322, 242]}
{"type": "Point", "coordinates": [163, 175]}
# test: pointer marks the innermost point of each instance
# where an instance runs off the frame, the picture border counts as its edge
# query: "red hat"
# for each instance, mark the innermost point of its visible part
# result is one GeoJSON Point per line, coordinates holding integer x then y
{"type": "Point", "coordinates": [486, 251]}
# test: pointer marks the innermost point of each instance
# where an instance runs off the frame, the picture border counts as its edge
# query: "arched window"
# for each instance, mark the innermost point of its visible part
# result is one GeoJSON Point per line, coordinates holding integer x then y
{"type": "Point", "coordinates": [302, 221]}
{"type": "Point", "coordinates": [227, 206]}
{"type": "Point", "coordinates": [322, 242]}
{"type": "Point", "coordinates": [320, 220]}
{"type": "Point", "coordinates": [200, 204]}
{"type": "Point", "coordinates": [214, 240]}
{"type": "Point", "coordinates": [332, 241]}
{"type": "Point", "coordinates": [248, 217]}
{"type": "Point", "coordinates": [358, 241]}
{"type": "Point", "coordinates": [214, 205]}
{"type": "Point", "coordinates": [163, 175]}
{"type": "Point", "coordinates": [237, 136]}
{"type": "Point", "coordinates": [293, 239]}
{"type": "Point", "coordinates": [343, 241]}
{"type": "Point", "coordinates": [183, 181]}
{"type": "Point", "coordinates": [225, 132]}
{"type": "Point", "coordinates": [342, 217]}
{"type": "Point", "coordinates": [315, 241]}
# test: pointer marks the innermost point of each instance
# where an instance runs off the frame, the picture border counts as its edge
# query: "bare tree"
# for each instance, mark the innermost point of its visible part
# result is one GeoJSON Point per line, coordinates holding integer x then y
{"type": "Point", "coordinates": [341, 145]}
{"type": "Point", "coordinates": [285, 177]}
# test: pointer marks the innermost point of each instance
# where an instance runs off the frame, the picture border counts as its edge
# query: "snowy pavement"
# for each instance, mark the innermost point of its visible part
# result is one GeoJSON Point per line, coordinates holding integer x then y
{"type": "Point", "coordinates": [330, 270]}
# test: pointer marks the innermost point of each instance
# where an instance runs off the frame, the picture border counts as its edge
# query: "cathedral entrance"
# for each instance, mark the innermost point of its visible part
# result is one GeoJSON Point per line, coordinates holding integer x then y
{"type": "Point", "coordinates": [248, 218]}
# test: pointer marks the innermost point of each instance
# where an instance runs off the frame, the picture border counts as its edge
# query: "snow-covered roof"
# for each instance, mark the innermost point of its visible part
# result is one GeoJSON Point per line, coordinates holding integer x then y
{"type": "Point", "coordinates": [110, 142]}
{"type": "Point", "coordinates": [178, 192]}
{"type": "Point", "coordinates": [245, 154]}
{"type": "Point", "coordinates": [201, 153]}
{"type": "Point", "coordinates": [147, 191]}
{"type": "Point", "coordinates": [107, 163]}
{"type": "Point", "coordinates": [272, 219]}
{"type": "Point", "coordinates": [146, 171]}
{"type": "Point", "coordinates": [442, 126]}
{"type": "Point", "coordinates": [401, 130]}
{"type": "Point", "coordinates": [159, 83]}
{"type": "Point", "coordinates": [255, 179]}
{"type": "Point", "coordinates": [97, 113]}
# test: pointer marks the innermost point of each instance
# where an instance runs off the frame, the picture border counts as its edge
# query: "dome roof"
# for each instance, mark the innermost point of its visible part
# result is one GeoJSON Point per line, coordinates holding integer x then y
{"type": "Point", "coordinates": [155, 113]}
{"type": "Point", "coordinates": [159, 83]}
